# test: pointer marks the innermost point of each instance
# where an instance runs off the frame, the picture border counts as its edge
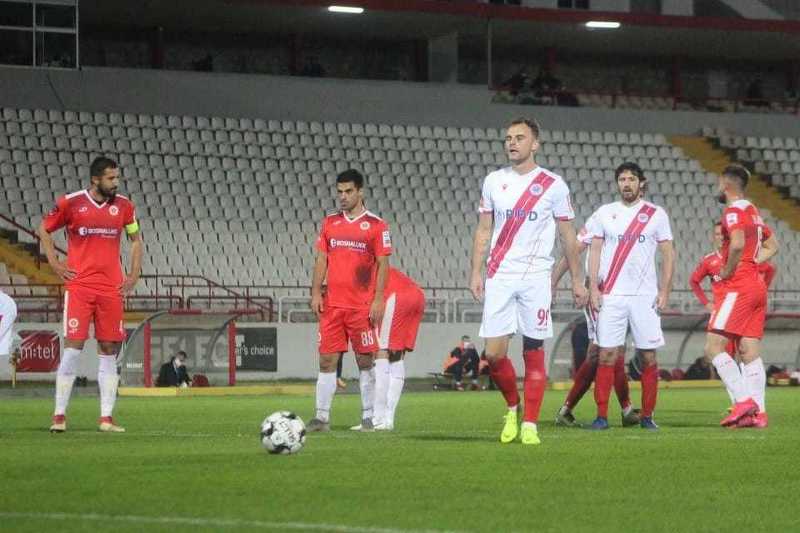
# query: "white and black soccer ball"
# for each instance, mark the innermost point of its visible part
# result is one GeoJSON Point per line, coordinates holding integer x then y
{"type": "Point", "coordinates": [283, 433]}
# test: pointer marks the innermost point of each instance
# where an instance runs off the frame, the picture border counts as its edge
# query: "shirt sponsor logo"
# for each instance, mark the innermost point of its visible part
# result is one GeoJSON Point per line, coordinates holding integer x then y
{"type": "Point", "coordinates": [364, 225]}
{"type": "Point", "coordinates": [354, 245]}
{"type": "Point", "coordinates": [643, 218]}
{"type": "Point", "coordinates": [83, 209]}
{"type": "Point", "coordinates": [633, 237]}
{"type": "Point", "coordinates": [113, 210]}
{"type": "Point", "coordinates": [537, 189]}
{"type": "Point", "coordinates": [102, 232]}
{"type": "Point", "coordinates": [503, 214]}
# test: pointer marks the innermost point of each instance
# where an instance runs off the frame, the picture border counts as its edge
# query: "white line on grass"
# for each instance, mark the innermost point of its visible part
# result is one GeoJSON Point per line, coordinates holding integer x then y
{"type": "Point", "coordinates": [213, 522]}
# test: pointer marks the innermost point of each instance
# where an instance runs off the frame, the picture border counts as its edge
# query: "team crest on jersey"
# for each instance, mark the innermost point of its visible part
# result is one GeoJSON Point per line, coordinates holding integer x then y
{"type": "Point", "coordinates": [505, 186]}
{"type": "Point", "coordinates": [643, 218]}
{"type": "Point", "coordinates": [364, 225]}
{"type": "Point", "coordinates": [536, 189]}
{"type": "Point", "coordinates": [113, 210]}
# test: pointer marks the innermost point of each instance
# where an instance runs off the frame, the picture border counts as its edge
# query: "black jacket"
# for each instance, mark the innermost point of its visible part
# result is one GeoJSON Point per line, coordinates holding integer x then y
{"type": "Point", "coordinates": [168, 377]}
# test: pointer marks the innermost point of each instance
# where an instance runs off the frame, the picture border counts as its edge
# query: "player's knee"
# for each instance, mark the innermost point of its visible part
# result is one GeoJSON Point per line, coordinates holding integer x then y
{"type": "Point", "coordinates": [365, 361]}
{"type": "Point", "coordinates": [607, 356]}
{"type": "Point", "coordinates": [494, 358]}
{"type": "Point", "coordinates": [327, 363]}
{"type": "Point", "coordinates": [75, 345]}
{"type": "Point", "coordinates": [108, 348]}
{"type": "Point", "coordinates": [529, 343]}
{"type": "Point", "coordinates": [648, 356]}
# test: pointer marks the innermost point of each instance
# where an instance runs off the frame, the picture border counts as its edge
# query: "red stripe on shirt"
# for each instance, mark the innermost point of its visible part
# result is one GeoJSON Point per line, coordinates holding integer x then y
{"type": "Point", "coordinates": [623, 251]}
{"type": "Point", "coordinates": [512, 225]}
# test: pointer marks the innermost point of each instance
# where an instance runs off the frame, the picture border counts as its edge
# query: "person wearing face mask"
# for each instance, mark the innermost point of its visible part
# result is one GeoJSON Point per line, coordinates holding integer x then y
{"type": "Point", "coordinates": [173, 373]}
{"type": "Point", "coordinates": [463, 359]}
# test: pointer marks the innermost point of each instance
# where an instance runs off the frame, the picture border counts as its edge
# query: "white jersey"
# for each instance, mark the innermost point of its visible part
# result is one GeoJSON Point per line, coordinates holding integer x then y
{"type": "Point", "coordinates": [525, 209]}
{"type": "Point", "coordinates": [630, 237]}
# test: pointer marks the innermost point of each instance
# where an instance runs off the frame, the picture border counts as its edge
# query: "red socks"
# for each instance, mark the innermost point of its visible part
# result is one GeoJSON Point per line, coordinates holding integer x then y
{"type": "Point", "coordinates": [535, 383]}
{"type": "Point", "coordinates": [649, 389]}
{"type": "Point", "coordinates": [603, 382]}
{"type": "Point", "coordinates": [621, 382]}
{"type": "Point", "coordinates": [505, 378]}
{"type": "Point", "coordinates": [582, 381]}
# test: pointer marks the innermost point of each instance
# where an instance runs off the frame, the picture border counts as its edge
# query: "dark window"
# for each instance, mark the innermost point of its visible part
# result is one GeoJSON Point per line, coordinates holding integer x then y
{"type": "Point", "coordinates": [55, 16]}
{"type": "Point", "coordinates": [55, 49]}
{"type": "Point", "coordinates": [16, 14]}
{"type": "Point", "coordinates": [573, 4]}
{"type": "Point", "coordinates": [16, 47]}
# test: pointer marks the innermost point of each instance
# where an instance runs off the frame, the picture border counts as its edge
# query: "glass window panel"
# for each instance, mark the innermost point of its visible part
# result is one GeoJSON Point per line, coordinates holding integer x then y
{"type": "Point", "coordinates": [55, 16]}
{"type": "Point", "coordinates": [55, 49]}
{"type": "Point", "coordinates": [16, 47]}
{"type": "Point", "coordinates": [16, 14]}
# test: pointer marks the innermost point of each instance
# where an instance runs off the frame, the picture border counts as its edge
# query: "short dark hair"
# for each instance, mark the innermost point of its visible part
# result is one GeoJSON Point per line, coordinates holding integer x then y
{"type": "Point", "coordinates": [351, 175]}
{"type": "Point", "coordinates": [530, 122]}
{"type": "Point", "coordinates": [100, 165]}
{"type": "Point", "coordinates": [717, 224]}
{"type": "Point", "coordinates": [631, 167]}
{"type": "Point", "coordinates": [738, 173]}
{"type": "Point", "coordinates": [180, 353]}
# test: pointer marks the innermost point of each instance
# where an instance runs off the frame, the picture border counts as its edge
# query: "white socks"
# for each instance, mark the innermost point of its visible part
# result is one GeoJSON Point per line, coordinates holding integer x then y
{"type": "Point", "coordinates": [381, 390]}
{"type": "Point", "coordinates": [729, 373]}
{"type": "Point", "coordinates": [107, 382]}
{"type": "Point", "coordinates": [397, 378]}
{"type": "Point", "coordinates": [366, 382]}
{"type": "Point", "coordinates": [65, 379]}
{"type": "Point", "coordinates": [756, 379]}
{"type": "Point", "coordinates": [326, 389]}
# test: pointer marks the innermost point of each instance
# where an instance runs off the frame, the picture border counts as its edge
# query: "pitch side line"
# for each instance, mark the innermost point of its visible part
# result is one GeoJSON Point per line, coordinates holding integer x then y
{"type": "Point", "coordinates": [215, 522]}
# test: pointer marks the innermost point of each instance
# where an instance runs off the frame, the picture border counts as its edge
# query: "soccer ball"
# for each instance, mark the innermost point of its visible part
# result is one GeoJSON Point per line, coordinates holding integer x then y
{"type": "Point", "coordinates": [283, 433]}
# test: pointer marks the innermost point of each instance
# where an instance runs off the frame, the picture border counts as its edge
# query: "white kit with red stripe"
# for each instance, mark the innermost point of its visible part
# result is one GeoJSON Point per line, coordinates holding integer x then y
{"type": "Point", "coordinates": [627, 274]}
{"type": "Point", "coordinates": [630, 238]}
{"type": "Point", "coordinates": [525, 208]}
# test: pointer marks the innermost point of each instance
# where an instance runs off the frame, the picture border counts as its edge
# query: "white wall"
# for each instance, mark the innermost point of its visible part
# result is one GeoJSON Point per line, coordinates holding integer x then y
{"type": "Point", "coordinates": [293, 98]}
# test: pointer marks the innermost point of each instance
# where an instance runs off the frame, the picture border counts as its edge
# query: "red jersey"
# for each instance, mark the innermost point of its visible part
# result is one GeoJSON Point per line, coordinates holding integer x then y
{"type": "Point", "coordinates": [352, 247]}
{"type": "Point", "coordinates": [743, 215]}
{"type": "Point", "coordinates": [399, 282]}
{"type": "Point", "coordinates": [93, 237]}
{"type": "Point", "coordinates": [710, 266]}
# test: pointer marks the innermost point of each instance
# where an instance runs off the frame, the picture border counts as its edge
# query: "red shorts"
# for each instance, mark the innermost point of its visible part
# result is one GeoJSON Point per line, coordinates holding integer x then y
{"type": "Point", "coordinates": [740, 312]}
{"type": "Point", "coordinates": [338, 325]}
{"type": "Point", "coordinates": [82, 307]}
{"type": "Point", "coordinates": [401, 319]}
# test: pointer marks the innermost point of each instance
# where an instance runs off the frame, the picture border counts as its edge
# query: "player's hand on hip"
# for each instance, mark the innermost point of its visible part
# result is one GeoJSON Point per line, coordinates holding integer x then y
{"type": "Point", "coordinates": [596, 299]}
{"type": "Point", "coordinates": [580, 295]}
{"type": "Point", "coordinates": [316, 305]}
{"type": "Point", "coordinates": [63, 271]}
{"type": "Point", "coordinates": [128, 285]}
{"type": "Point", "coordinates": [710, 307]}
{"type": "Point", "coordinates": [476, 286]}
{"type": "Point", "coordinates": [376, 312]}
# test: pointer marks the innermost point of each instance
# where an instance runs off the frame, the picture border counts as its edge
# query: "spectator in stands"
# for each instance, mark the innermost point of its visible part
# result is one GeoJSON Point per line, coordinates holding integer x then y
{"type": "Point", "coordinates": [755, 94]}
{"type": "Point", "coordinates": [204, 65]}
{"type": "Point", "coordinates": [173, 373]}
{"type": "Point", "coordinates": [313, 68]}
{"type": "Point", "coordinates": [546, 83]}
{"type": "Point", "coordinates": [700, 369]}
{"type": "Point", "coordinates": [464, 359]}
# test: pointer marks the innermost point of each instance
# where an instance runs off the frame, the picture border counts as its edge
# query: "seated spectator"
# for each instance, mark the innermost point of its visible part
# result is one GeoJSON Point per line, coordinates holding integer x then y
{"type": "Point", "coordinates": [700, 369]}
{"type": "Point", "coordinates": [464, 359]}
{"type": "Point", "coordinates": [755, 94]}
{"type": "Point", "coordinates": [173, 373]}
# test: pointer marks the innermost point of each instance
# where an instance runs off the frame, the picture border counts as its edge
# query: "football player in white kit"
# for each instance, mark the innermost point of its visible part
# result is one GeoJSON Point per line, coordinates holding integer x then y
{"type": "Point", "coordinates": [521, 207]}
{"type": "Point", "coordinates": [624, 287]}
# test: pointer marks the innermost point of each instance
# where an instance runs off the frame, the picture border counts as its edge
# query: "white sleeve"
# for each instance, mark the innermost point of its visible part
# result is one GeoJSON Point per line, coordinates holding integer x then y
{"type": "Point", "coordinates": [663, 230]}
{"type": "Point", "coordinates": [562, 204]}
{"type": "Point", "coordinates": [594, 227]}
{"type": "Point", "coordinates": [486, 205]}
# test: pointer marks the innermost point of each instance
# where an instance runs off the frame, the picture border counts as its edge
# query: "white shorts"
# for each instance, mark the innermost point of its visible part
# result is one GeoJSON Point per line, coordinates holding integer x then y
{"type": "Point", "coordinates": [640, 312]}
{"type": "Point", "coordinates": [517, 306]}
{"type": "Point", "coordinates": [591, 322]}
{"type": "Point", "coordinates": [8, 314]}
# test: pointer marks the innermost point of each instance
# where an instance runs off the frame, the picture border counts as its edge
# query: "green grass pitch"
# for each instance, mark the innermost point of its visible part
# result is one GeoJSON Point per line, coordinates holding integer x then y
{"type": "Point", "coordinates": [195, 464]}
